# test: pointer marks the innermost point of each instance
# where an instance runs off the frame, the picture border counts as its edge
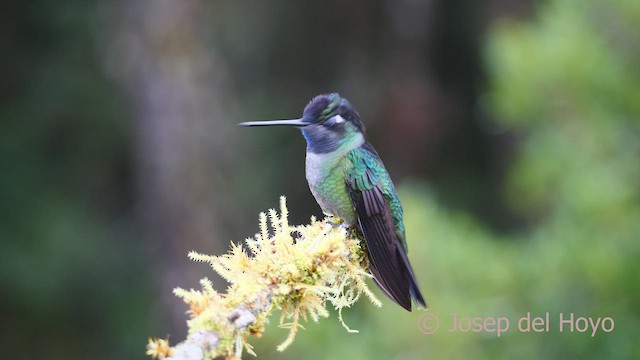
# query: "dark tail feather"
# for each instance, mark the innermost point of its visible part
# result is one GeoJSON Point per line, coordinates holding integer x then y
{"type": "Point", "coordinates": [414, 290]}
{"type": "Point", "coordinates": [416, 295]}
{"type": "Point", "coordinates": [413, 284]}
{"type": "Point", "coordinates": [403, 301]}
{"type": "Point", "coordinates": [388, 260]}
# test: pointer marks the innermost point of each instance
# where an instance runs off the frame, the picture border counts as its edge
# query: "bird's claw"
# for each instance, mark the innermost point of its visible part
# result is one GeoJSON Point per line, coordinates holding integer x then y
{"type": "Point", "coordinates": [336, 222]}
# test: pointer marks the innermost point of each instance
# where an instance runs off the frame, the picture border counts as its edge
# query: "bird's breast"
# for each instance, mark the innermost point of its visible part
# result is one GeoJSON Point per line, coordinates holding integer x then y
{"type": "Point", "coordinates": [318, 167]}
{"type": "Point", "coordinates": [325, 174]}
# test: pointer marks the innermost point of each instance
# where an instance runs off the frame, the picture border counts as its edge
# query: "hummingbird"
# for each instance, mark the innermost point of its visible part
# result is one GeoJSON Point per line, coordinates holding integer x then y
{"type": "Point", "coordinates": [348, 179]}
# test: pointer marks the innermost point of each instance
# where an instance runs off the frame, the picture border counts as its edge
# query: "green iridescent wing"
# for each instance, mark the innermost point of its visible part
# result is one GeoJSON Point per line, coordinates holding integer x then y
{"type": "Point", "coordinates": [368, 172]}
{"type": "Point", "coordinates": [380, 217]}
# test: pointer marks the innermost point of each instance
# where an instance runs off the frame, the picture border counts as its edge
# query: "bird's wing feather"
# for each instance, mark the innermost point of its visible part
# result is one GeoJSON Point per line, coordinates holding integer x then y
{"type": "Point", "coordinates": [378, 226]}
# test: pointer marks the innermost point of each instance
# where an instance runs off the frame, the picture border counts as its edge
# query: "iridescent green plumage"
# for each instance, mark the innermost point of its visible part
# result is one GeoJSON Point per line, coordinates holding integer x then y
{"type": "Point", "coordinates": [348, 179]}
{"type": "Point", "coordinates": [367, 171]}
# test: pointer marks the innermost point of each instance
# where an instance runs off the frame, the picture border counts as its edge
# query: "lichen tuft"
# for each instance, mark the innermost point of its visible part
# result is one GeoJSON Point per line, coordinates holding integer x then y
{"type": "Point", "coordinates": [297, 270]}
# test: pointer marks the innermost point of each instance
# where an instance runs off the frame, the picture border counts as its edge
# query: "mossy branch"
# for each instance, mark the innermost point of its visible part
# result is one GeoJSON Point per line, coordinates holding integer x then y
{"type": "Point", "coordinates": [296, 269]}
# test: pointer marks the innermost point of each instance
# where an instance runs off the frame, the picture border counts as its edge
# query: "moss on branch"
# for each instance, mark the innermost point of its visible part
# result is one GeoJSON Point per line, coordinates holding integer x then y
{"type": "Point", "coordinates": [294, 269]}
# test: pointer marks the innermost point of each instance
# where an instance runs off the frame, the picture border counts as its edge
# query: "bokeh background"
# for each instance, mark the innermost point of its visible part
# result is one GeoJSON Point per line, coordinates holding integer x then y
{"type": "Point", "coordinates": [511, 129]}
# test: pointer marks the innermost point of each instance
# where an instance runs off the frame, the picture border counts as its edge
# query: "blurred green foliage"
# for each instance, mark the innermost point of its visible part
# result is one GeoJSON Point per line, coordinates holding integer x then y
{"type": "Point", "coordinates": [71, 279]}
{"type": "Point", "coordinates": [77, 277]}
{"type": "Point", "coordinates": [569, 84]}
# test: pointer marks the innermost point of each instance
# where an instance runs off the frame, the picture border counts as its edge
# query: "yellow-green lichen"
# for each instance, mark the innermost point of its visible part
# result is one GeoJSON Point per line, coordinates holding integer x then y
{"type": "Point", "coordinates": [295, 274]}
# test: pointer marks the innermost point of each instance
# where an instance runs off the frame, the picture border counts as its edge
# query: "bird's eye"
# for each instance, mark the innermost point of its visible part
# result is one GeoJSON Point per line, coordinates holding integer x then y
{"type": "Point", "coordinates": [334, 120]}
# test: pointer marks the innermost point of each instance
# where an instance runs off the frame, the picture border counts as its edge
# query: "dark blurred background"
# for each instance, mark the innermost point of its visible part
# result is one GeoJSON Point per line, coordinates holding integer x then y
{"type": "Point", "coordinates": [511, 129]}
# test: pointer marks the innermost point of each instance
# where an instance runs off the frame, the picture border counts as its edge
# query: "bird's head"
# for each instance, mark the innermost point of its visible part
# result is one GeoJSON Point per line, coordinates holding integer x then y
{"type": "Point", "coordinates": [329, 122]}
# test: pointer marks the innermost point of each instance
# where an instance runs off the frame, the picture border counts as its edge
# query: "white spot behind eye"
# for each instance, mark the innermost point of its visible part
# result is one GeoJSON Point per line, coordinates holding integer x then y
{"type": "Point", "coordinates": [338, 119]}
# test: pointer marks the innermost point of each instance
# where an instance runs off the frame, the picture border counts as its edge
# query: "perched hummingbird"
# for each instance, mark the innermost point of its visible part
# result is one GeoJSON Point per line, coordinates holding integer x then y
{"type": "Point", "coordinates": [348, 179]}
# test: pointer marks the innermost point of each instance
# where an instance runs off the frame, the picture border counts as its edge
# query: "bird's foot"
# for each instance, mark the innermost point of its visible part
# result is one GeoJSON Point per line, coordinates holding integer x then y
{"type": "Point", "coordinates": [334, 224]}
{"type": "Point", "coordinates": [335, 221]}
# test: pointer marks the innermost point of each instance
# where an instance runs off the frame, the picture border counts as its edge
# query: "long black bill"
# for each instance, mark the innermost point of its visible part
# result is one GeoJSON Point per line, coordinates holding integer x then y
{"type": "Point", "coordinates": [293, 122]}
